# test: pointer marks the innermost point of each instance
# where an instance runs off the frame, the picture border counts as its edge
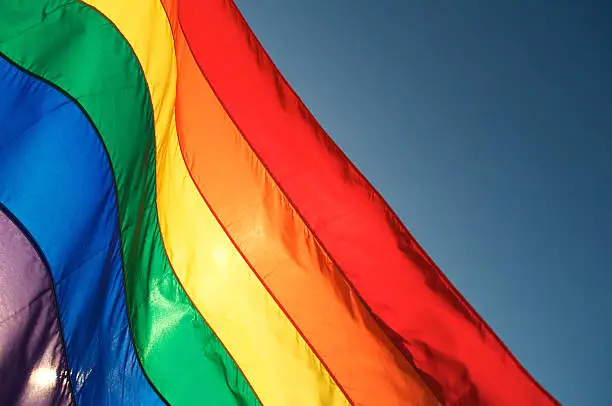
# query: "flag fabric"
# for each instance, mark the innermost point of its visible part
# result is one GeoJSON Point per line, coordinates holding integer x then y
{"type": "Point", "coordinates": [176, 228]}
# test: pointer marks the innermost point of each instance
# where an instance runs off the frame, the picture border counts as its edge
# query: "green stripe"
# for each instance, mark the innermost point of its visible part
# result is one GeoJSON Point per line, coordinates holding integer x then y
{"type": "Point", "coordinates": [72, 46]}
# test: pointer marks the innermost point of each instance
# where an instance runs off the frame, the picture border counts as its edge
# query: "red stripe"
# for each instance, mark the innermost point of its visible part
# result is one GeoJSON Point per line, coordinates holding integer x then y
{"type": "Point", "coordinates": [457, 354]}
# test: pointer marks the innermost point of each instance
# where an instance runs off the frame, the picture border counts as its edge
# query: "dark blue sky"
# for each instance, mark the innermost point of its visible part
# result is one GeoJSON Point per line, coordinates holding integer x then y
{"type": "Point", "coordinates": [488, 128]}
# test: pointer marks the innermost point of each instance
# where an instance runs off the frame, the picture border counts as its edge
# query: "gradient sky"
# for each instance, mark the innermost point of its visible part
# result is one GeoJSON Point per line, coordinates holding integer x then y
{"type": "Point", "coordinates": [488, 128]}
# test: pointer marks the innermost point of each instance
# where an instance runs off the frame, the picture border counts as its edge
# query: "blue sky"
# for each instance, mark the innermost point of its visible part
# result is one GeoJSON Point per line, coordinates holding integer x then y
{"type": "Point", "coordinates": [488, 128]}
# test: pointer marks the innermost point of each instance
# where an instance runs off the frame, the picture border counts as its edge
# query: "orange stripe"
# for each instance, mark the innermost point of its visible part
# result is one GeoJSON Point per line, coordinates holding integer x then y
{"type": "Point", "coordinates": [282, 250]}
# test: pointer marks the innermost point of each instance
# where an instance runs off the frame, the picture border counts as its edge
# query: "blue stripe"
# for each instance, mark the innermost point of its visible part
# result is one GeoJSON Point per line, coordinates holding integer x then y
{"type": "Point", "coordinates": [56, 178]}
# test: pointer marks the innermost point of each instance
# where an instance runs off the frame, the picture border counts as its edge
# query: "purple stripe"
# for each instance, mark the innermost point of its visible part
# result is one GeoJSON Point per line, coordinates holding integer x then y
{"type": "Point", "coordinates": [33, 368]}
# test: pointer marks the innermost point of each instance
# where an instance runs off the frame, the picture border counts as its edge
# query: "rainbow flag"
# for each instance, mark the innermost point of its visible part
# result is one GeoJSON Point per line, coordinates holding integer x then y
{"type": "Point", "coordinates": [176, 228]}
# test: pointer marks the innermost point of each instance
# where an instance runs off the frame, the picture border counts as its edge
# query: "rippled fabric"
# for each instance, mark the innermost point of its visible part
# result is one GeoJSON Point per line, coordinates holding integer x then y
{"type": "Point", "coordinates": [33, 367]}
{"type": "Point", "coordinates": [76, 48]}
{"type": "Point", "coordinates": [61, 189]}
{"type": "Point", "coordinates": [208, 242]}
{"type": "Point", "coordinates": [276, 360]}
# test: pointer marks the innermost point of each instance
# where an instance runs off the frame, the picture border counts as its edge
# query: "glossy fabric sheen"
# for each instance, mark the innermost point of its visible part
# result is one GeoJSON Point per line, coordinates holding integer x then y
{"type": "Point", "coordinates": [61, 189]}
{"type": "Point", "coordinates": [273, 356]}
{"type": "Point", "coordinates": [258, 263]}
{"type": "Point", "coordinates": [73, 46]}
{"type": "Point", "coordinates": [457, 354]}
{"type": "Point", "coordinates": [281, 249]}
{"type": "Point", "coordinates": [33, 367]}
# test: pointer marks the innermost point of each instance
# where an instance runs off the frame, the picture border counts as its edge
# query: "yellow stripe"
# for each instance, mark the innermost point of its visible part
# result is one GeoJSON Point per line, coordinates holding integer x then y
{"type": "Point", "coordinates": [275, 359]}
